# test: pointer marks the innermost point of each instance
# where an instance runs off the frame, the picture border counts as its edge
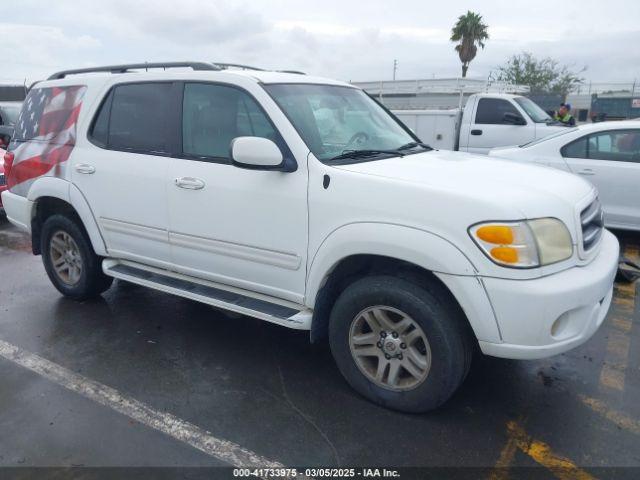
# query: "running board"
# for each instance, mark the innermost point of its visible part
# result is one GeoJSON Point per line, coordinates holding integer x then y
{"type": "Point", "coordinates": [260, 306]}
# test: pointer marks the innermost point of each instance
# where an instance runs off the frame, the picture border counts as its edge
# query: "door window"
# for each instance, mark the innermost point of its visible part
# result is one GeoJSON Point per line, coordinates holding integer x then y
{"type": "Point", "coordinates": [135, 117]}
{"type": "Point", "coordinates": [614, 145]}
{"type": "Point", "coordinates": [491, 111]}
{"type": "Point", "coordinates": [213, 115]}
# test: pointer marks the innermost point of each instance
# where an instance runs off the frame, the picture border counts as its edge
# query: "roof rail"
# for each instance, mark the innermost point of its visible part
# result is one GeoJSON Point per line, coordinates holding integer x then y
{"type": "Point", "coordinates": [130, 66]}
{"type": "Point", "coordinates": [225, 66]}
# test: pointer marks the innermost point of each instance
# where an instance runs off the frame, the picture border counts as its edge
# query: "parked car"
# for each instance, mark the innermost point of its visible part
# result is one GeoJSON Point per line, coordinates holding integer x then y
{"type": "Point", "coordinates": [301, 201]}
{"type": "Point", "coordinates": [487, 120]}
{"type": "Point", "coordinates": [607, 154]}
{"type": "Point", "coordinates": [3, 182]}
{"type": "Point", "coordinates": [9, 112]}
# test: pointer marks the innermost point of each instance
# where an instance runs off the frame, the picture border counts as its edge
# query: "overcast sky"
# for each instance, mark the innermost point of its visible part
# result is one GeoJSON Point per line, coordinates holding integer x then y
{"type": "Point", "coordinates": [332, 38]}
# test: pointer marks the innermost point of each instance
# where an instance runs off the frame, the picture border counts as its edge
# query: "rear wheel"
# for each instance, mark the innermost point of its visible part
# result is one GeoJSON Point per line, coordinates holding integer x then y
{"type": "Point", "coordinates": [71, 264]}
{"type": "Point", "coordinates": [401, 345]}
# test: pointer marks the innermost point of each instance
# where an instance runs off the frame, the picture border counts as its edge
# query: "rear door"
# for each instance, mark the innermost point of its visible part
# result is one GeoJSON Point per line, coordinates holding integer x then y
{"type": "Point", "coordinates": [490, 129]}
{"type": "Point", "coordinates": [610, 160]}
{"type": "Point", "coordinates": [122, 171]}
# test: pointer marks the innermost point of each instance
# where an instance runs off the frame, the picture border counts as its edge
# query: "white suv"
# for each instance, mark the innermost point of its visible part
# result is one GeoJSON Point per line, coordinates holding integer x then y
{"type": "Point", "coordinates": [303, 202]}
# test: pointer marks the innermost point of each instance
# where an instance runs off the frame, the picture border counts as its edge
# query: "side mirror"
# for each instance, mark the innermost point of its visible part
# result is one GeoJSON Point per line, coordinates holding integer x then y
{"type": "Point", "coordinates": [255, 153]}
{"type": "Point", "coordinates": [513, 119]}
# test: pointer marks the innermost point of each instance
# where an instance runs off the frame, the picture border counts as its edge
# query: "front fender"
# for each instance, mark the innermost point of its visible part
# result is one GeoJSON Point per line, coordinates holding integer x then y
{"type": "Point", "coordinates": [419, 247]}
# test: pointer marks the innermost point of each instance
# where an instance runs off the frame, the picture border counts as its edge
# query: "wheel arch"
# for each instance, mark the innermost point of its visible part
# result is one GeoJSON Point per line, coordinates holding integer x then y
{"type": "Point", "coordinates": [52, 195]}
{"type": "Point", "coordinates": [357, 250]}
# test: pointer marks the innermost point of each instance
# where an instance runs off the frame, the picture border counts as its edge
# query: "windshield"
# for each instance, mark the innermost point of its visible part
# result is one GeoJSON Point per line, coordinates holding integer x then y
{"type": "Point", "coordinates": [335, 120]}
{"type": "Point", "coordinates": [548, 137]}
{"type": "Point", "coordinates": [537, 114]}
{"type": "Point", "coordinates": [11, 114]}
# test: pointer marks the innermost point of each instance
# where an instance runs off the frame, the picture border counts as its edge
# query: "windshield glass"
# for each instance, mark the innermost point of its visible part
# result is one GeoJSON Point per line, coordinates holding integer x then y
{"type": "Point", "coordinates": [11, 114]}
{"type": "Point", "coordinates": [334, 119]}
{"type": "Point", "coordinates": [548, 137]}
{"type": "Point", "coordinates": [537, 114]}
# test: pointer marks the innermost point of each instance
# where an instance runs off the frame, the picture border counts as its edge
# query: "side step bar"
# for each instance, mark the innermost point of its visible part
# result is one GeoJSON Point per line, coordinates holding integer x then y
{"type": "Point", "coordinates": [260, 306]}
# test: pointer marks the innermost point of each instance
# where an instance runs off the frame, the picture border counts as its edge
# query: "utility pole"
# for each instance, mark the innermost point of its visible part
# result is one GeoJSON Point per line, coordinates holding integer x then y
{"type": "Point", "coordinates": [395, 68]}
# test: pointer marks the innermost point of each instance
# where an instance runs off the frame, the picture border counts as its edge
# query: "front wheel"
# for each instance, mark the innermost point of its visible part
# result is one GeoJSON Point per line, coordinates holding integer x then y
{"type": "Point", "coordinates": [401, 345]}
{"type": "Point", "coordinates": [71, 264]}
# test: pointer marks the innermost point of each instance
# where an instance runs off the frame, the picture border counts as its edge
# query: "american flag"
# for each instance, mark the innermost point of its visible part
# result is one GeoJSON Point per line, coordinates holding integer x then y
{"type": "Point", "coordinates": [45, 134]}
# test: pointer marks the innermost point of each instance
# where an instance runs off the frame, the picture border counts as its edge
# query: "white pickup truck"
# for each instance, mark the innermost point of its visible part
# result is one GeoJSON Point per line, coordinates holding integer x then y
{"type": "Point", "coordinates": [300, 201]}
{"type": "Point", "coordinates": [488, 120]}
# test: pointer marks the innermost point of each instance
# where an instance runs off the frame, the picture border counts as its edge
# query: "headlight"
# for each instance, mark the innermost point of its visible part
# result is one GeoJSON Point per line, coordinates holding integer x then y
{"type": "Point", "coordinates": [525, 244]}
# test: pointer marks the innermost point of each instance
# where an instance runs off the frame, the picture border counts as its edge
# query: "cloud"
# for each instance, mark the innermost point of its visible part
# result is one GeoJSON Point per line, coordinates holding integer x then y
{"type": "Point", "coordinates": [332, 38]}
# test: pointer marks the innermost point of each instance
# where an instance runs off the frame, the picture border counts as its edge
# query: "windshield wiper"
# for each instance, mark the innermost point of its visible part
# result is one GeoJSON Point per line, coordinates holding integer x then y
{"type": "Point", "coordinates": [409, 145]}
{"type": "Point", "coordinates": [364, 153]}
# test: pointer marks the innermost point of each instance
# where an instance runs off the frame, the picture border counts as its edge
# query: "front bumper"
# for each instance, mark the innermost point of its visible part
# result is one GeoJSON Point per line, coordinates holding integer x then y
{"type": "Point", "coordinates": [546, 316]}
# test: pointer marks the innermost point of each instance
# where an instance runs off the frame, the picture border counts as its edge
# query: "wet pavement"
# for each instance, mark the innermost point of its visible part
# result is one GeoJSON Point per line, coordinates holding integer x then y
{"type": "Point", "coordinates": [268, 390]}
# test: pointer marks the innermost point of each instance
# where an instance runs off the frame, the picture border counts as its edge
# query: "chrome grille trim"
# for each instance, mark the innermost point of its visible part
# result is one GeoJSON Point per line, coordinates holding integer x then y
{"type": "Point", "coordinates": [592, 222]}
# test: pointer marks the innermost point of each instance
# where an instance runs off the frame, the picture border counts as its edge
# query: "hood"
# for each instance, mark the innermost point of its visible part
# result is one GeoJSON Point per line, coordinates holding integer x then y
{"type": "Point", "coordinates": [534, 190]}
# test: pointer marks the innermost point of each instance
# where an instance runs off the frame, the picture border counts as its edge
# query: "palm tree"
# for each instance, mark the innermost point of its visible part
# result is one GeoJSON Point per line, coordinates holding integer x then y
{"type": "Point", "coordinates": [469, 31]}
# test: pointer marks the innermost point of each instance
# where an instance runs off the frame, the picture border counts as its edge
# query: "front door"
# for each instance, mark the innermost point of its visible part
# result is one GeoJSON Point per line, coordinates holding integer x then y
{"type": "Point", "coordinates": [490, 129]}
{"type": "Point", "coordinates": [241, 227]}
{"type": "Point", "coordinates": [611, 161]}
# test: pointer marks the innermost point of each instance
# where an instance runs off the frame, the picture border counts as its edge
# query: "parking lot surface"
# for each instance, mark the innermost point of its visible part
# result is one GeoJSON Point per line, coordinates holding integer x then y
{"type": "Point", "coordinates": [185, 373]}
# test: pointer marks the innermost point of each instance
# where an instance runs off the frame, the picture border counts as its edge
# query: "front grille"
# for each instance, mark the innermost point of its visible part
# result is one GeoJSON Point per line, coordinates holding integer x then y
{"type": "Point", "coordinates": [2, 180]}
{"type": "Point", "coordinates": [592, 220]}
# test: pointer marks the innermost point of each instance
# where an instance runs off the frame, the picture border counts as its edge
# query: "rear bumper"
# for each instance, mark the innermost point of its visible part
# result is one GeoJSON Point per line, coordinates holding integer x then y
{"type": "Point", "coordinates": [550, 315]}
{"type": "Point", "coordinates": [18, 209]}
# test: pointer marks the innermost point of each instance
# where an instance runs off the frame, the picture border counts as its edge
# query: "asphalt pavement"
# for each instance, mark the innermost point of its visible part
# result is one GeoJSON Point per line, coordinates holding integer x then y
{"type": "Point", "coordinates": [261, 388]}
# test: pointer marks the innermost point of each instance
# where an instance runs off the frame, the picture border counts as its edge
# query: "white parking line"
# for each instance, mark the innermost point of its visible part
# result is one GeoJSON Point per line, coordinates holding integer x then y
{"type": "Point", "coordinates": [166, 423]}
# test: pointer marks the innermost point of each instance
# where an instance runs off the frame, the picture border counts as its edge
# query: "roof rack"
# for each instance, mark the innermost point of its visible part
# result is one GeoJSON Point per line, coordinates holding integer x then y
{"type": "Point", "coordinates": [226, 66]}
{"type": "Point", "coordinates": [131, 66]}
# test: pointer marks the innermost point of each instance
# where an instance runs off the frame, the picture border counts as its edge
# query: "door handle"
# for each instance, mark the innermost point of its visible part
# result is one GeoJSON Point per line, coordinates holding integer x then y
{"type": "Point", "coordinates": [189, 183]}
{"type": "Point", "coordinates": [586, 171]}
{"type": "Point", "coordinates": [85, 168]}
{"type": "Point", "coordinates": [476, 132]}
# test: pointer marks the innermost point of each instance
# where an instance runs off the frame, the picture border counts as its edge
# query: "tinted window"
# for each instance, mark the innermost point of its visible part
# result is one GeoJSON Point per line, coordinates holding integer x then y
{"type": "Point", "coordinates": [619, 145]}
{"type": "Point", "coordinates": [140, 118]}
{"type": "Point", "coordinates": [492, 110]}
{"type": "Point", "coordinates": [100, 130]}
{"type": "Point", "coordinates": [575, 149]}
{"type": "Point", "coordinates": [615, 145]}
{"type": "Point", "coordinates": [213, 115]}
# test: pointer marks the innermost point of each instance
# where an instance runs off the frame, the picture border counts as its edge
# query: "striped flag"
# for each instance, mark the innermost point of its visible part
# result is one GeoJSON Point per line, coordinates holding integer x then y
{"type": "Point", "coordinates": [45, 134]}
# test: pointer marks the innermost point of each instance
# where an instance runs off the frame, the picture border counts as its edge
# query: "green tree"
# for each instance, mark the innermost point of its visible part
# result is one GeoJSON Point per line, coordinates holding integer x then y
{"type": "Point", "coordinates": [543, 75]}
{"type": "Point", "coordinates": [470, 32]}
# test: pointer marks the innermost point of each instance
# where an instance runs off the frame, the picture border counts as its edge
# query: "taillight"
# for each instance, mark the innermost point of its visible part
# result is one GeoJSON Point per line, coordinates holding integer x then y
{"type": "Point", "coordinates": [8, 163]}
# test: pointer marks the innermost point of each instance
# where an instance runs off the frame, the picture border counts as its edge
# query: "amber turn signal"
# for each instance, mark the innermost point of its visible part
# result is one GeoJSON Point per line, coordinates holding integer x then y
{"type": "Point", "coordinates": [496, 234]}
{"type": "Point", "coordinates": [505, 254]}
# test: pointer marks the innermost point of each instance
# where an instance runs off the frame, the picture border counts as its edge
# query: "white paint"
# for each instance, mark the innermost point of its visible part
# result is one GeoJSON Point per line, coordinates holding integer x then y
{"type": "Point", "coordinates": [610, 167]}
{"type": "Point", "coordinates": [166, 423]}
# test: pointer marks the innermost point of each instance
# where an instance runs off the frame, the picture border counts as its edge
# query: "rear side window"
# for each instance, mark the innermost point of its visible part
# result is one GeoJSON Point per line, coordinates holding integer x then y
{"type": "Point", "coordinates": [50, 115]}
{"type": "Point", "coordinates": [491, 111]}
{"type": "Point", "coordinates": [213, 115]}
{"type": "Point", "coordinates": [575, 149]}
{"type": "Point", "coordinates": [136, 117]}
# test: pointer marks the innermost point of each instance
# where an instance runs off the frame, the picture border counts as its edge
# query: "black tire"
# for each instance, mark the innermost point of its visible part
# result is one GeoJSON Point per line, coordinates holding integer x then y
{"type": "Point", "coordinates": [434, 310]}
{"type": "Point", "coordinates": [92, 281]}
